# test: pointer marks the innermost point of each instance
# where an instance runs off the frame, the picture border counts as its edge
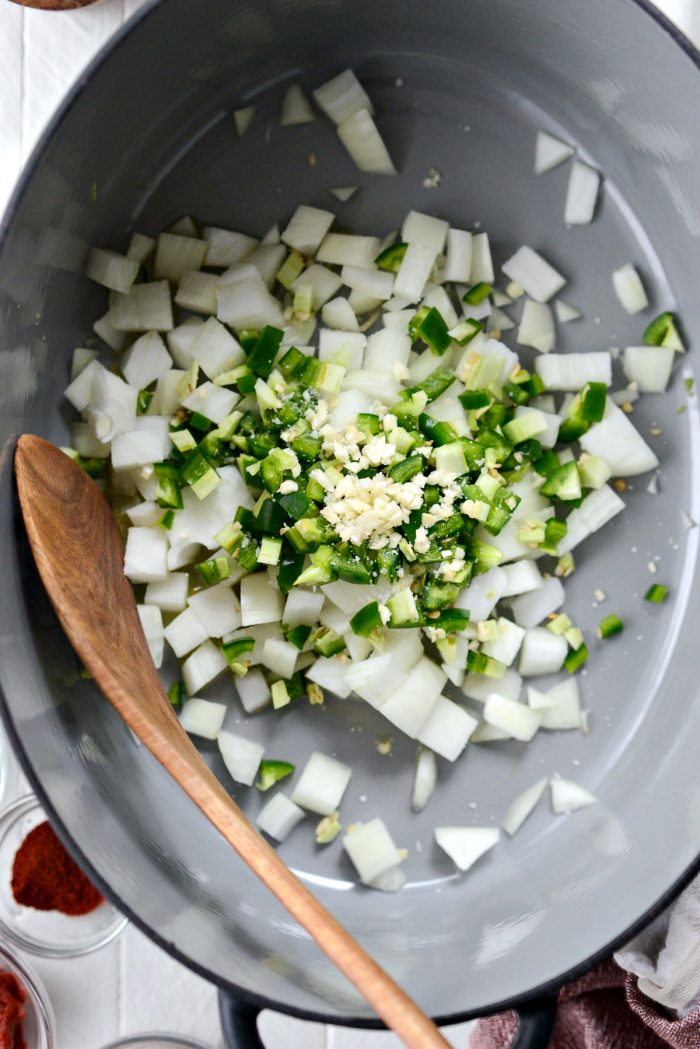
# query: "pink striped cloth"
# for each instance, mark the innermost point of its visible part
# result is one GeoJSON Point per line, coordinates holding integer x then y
{"type": "Point", "coordinates": [603, 1010]}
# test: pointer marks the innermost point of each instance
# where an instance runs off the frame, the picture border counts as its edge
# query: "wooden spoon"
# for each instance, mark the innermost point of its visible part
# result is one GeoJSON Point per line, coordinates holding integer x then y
{"type": "Point", "coordinates": [79, 555]}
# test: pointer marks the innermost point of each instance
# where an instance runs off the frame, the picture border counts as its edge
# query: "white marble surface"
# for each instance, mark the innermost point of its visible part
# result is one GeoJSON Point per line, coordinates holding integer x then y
{"type": "Point", "coordinates": [131, 986]}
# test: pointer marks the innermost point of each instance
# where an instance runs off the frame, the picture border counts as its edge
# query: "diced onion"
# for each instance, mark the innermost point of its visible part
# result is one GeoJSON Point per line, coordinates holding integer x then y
{"type": "Point", "coordinates": [465, 845]}
{"type": "Point", "coordinates": [568, 796]}
{"type": "Point", "coordinates": [522, 806]}
{"type": "Point", "coordinates": [629, 289]}
{"type": "Point", "coordinates": [581, 194]}
{"type": "Point", "coordinates": [550, 152]}
{"type": "Point", "coordinates": [425, 779]}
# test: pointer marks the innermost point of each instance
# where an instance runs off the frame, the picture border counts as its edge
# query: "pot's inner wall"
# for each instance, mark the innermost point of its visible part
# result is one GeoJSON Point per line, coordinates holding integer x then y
{"type": "Point", "coordinates": [151, 138]}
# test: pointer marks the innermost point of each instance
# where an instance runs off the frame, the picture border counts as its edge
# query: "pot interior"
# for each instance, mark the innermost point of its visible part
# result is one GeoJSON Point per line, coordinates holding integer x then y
{"type": "Point", "coordinates": [461, 87]}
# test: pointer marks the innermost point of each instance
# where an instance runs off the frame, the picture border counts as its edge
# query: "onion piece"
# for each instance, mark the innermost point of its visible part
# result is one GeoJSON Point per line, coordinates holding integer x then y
{"type": "Point", "coordinates": [629, 289]}
{"type": "Point", "coordinates": [340, 249]}
{"type": "Point", "coordinates": [459, 256]}
{"type": "Point", "coordinates": [372, 850]}
{"type": "Point", "coordinates": [322, 784]}
{"type": "Point", "coordinates": [260, 603]}
{"type": "Point", "coordinates": [279, 817]}
{"type": "Point", "coordinates": [307, 228]}
{"type": "Point", "coordinates": [561, 706]}
{"type": "Point", "coordinates": [152, 625]}
{"type": "Point", "coordinates": [482, 595]}
{"type": "Point", "coordinates": [409, 707]}
{"type": "Point", "coordinates": [242, 118]}
{"type": "Point", "coordinates": [253, 692]}
{"type": "Point", "coordinates": [344, 193]}
{"type": "Point", "coordinates": [542, 652]}
{"type": "Point", "coordinates": [485, 733]}
{"type": "Point", "coordinates": [344, 348]}
{"type": "Point", "coordinates": [296, 108]}
{"type": "Point", "coordinates": [385, 349]}
{"type": "Point", "coordinates": [169, 594]}
{"type": "Point", "coordinates": [330, 674]}
{"type": "Point", "coordinates": [571, 371]}
{"type": "Point", "coordinates": [226, 247]}
{"type": "Point", "coordinates": [217, 609]}
{"type": "Point", "coordinates": [360, 136]}
{"type": "Point", "coordinates": [241, 756]}
{"type": "Point", "coordinates": [536, 327]}
{"type": "Point", "coordinates": [506, 645]}
{"type": "Point", "coordinates": [648, 366]}
{"type": "Point", "coordinates": [522, 806]}
{"type": "Point", "coordinates": [481, 262]}
{"type": "Point", "coordinates": [521, 578]}
{"type": "Point", "coordinates": [146, 360]}
{"type": "Point", "coordinates": [375, 679]}
{"type": "Point", "coordinates": [568, 796]}
{"type": "Point", "coordinates": [146, 307]}
{"type": "Point", "coordinates": [534, 274]}
{"type": "Point", "coordinates": [425, 779]}
{"type": "Point", "coordinates": [302, 607]}
{"type": "Point", "coordinates": [280, 657]}
{"type": "Point", "coordinates": [425, 230]}
{"type": "Point", "coordinates": [203, 666]}
{"type": "Point", "coordinates": [581, 194]}
{"type": "Point", "coordinates": [145, 557]}
{"type": "Point", "coordinates": [342, 97]}
{"type": "Point", "coordinates": [111, 270]}
{"type": "Point", "coordinates": [465, 845]}
{"type": "Point", "coordinates": [532, 608]}
{"type": "Point", "coordinates": [200, 717]}
{"type": "Point", "coordinates": [619, 444]}
{"type": "Point", "coordinates": [390, 881]}
{"type": "Point", "coordinates": [519, 721]}
{"type": "Point", "coordinates": [565, 312]}
{"type": "Point", "coordinates": [414, 271]}
{"type": "Point", "coordinates": [550, 152]}
{"type": "Point", "coordinates": [339, 314]}
{"type": "Point", "coordinates": [447, 729]}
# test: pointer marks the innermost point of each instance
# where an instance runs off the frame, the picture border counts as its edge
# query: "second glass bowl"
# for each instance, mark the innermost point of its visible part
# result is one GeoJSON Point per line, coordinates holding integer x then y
{"type": "Point", "coordinates": [38, 1025]}
{"type": "Point", "coordinates": [46, 933]}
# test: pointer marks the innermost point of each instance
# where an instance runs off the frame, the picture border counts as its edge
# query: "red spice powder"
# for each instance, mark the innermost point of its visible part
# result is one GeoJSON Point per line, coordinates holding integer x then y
{"type": "Point", "coordinates": [45, 877]}
{"type": "Point", "coordinates": [12, 999]}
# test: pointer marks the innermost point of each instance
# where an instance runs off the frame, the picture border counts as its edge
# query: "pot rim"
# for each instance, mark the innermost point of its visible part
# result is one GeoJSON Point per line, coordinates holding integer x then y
{"type": "Point", "coordinates": [258, 1001]}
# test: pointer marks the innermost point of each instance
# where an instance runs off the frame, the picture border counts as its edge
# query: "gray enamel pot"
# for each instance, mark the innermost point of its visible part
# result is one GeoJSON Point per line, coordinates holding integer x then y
{"type": "Point", "coordinates": [461, 86]}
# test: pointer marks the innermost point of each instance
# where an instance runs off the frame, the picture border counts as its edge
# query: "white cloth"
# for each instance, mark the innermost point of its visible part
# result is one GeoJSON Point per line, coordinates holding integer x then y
{"type": "Point", "coordinates": [666, 955]}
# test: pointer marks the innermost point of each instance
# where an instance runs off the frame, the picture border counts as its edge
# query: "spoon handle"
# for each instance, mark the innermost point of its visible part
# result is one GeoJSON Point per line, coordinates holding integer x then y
{"type": "Point", "coordinates": [78, 552]}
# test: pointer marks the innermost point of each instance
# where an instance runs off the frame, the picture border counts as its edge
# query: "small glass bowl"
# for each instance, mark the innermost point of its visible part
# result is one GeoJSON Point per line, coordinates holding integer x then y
{"type": "Point", "coordinates": [46, 933]}
{"type": "Point", "coordinates": [155, 1041]}
{"type": "Point", "coordinates": [39, 1024]}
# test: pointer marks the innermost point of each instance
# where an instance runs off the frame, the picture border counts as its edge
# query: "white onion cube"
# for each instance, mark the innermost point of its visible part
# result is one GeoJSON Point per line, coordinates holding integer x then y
{"type": "Point", "coordinates": [200, 717]}
{"type": "Point", "coordinates": [465, 845]}
{"type": "Point", "coordinates": [241, 756]}
{"type": "Point", "coordinates": [205, 664]}
{"type": "Point", "coordinates": [279, 817]}
{"type": "Point", "coordinates": [145, 557]}
{"type": "Point", "coordinates": [322, 784]}
{"type": "Point", "coordinates": [372, 850]}
{"type": "Point", "coordinates": [260, 603]}
{"type": "Point", "coordinates": [447, 729]}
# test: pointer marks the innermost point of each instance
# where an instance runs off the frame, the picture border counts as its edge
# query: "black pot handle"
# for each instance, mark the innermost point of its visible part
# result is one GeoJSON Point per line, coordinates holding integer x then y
{"type": "Point", "coordinates": [536, 1022]}
{"type": "Point", "coordinates": [239, 1023]}
{"type": "Point", "coordinates": [240, 1029]}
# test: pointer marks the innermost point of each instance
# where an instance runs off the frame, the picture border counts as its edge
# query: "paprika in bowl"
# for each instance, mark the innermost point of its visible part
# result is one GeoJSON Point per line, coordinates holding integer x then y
{"type": "Point", "coordinates": [47, 905]}
{"type": "Point", "coordinates": [26, 1015]}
